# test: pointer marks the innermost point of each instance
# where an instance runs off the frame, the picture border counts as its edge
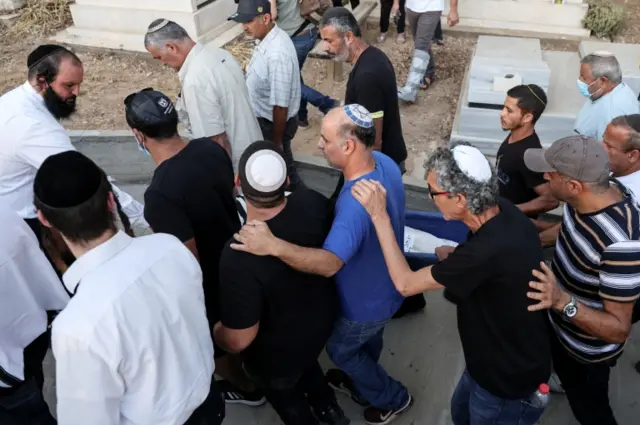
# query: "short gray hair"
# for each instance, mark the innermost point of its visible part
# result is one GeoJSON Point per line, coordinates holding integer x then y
{"type": "Point", "coordinates": [631, 123]}
{"type": "Point", "coordinates": [161, 31]}
{"type": "Point", "coordinates": [342, 20]}
{"type": "Point", "coordinates": [604, 65]}
{"type": "Point", "coordinates": [479, 195]}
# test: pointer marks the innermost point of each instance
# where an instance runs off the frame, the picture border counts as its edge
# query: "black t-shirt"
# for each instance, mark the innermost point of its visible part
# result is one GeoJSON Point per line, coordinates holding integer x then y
{"type": "Point", "coordinates": [296, 310]}
{"type": "Point", "coordinates": [516, 181]}
{"type": "Point", "coordinates": [191, 196]}
{"type": "Point", "coordinates": [506, 347]}
{"type": "Point", "coordinates": [372, 84]}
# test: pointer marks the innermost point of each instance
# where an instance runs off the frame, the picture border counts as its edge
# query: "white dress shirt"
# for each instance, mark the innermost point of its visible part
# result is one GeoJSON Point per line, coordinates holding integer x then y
{"type": "Point", "coordinates": [133, 346]}
{"type": "Point", "coordinates": [29, 134]}
{"type": "Point", "coordinates": [28, 287]}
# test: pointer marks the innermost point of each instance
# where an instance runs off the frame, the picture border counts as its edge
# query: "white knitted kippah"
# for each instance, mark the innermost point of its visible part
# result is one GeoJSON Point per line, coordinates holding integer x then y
{"type": "Point", "coordinates": [472, 163]}
{"type": "Point", "coordinates": [266, 171]}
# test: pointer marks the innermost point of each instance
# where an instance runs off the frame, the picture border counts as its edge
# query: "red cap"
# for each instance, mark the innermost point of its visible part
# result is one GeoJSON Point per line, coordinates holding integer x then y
{"type": "Point", "coordinates": [544, 388]}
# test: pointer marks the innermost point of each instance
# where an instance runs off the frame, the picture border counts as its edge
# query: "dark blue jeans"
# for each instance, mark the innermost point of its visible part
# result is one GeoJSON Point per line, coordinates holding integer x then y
{"type": "Point", "coordinates": [473, 405]}
{"type": "Point", "coordinates": [304, 43]}
{"type": "Point", "coordinates": [355, 349]}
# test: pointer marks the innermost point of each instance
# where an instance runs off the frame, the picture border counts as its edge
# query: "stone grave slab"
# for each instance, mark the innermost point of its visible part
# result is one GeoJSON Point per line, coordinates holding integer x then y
{"type": "Point", "coordinates": [481, 126]}
{"type": "Point", "coordinates": [627, 54]}
{"type": "Point", "coordinates": [500, 63]}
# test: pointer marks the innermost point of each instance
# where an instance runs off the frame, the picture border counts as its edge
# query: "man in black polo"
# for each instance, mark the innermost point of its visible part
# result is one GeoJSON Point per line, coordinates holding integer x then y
{"type": "Point", "coordinates": [191, 198]}
{"type": "Point", "coordinates": [279, 318]}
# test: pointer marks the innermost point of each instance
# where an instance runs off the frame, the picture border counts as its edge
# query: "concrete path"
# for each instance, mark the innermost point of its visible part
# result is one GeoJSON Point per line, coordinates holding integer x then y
{"type": "Point", "coordinates": [423, 351]}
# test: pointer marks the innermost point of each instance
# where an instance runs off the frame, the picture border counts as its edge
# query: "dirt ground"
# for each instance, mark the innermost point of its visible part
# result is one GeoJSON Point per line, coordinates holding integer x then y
{"type": "Point", "coordinates": [109, 77]}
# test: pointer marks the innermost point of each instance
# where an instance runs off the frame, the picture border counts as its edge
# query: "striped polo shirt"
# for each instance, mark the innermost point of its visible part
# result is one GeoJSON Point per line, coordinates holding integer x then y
{"type": "Point", "coordinates": [597, 258]}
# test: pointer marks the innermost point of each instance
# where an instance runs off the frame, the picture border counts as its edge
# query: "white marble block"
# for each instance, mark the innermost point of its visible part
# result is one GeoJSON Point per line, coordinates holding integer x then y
{"type": "Point", "coordinates": [504, 58]}
{"type": "Point", "coordinates": [11, 5]}
{"type": "Point", "coordinates": [481, 126]}
{"type": "Point", "coordinates": [627, 54]}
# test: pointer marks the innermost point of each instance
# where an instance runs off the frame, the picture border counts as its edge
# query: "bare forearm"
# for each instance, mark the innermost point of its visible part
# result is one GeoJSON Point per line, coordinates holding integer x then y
{"type": "Point", "coordinates": [453, 5]}
{"type": "Point", "coordinates": [377, 123]}
{"type": "Point", "coordinates": [598, 323]}
{"type": "Point", "coordinates": [539, 205]}
{"type": "Point", "coordinates": [279, 124]}
{"type": "Point", "coordinates": [406, 281]}
{"type": "Point", "coordinates": [223, 141]}
{"type": "Point", "coordinates": [549, 236]}
{"type": "Point", "coordinates": [308, 260]}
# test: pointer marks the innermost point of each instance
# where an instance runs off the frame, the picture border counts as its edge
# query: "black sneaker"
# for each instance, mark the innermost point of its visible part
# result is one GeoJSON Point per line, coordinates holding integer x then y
{"type": "Point", "coordinates": [234, 395]}
{"type": "Point", "coordinates": [303, 123]}
{"type": "Point", "coordinates": [332, 415]}
{"type": "Point", "coordinates": [339, 381]}
{"type": "Point", "coordinates": [375, 416]}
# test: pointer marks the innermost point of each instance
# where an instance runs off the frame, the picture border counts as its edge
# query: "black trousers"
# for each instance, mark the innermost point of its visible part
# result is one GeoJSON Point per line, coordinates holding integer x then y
{"type": "Point", "coordinates": [24, 405]}
{"type": "Point", "coordinates": [385, 13]}
{"type": "Point", "coordinates": [211, 411]}
{"type": "Point", "coordinates": [586, 385]}
{"type": "Point", "coordinates": [294, 396]}
{"type": "Point", "coordinates": [290, 130]}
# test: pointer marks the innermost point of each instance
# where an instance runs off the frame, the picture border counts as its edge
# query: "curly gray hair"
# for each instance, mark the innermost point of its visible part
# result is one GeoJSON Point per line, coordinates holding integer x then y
{"type": "Point", "coordinates": [479, 195]}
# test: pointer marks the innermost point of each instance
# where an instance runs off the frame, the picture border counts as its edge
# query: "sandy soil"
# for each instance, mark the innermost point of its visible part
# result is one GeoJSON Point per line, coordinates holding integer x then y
{"type": "Point", "coordinates": [109, 77]}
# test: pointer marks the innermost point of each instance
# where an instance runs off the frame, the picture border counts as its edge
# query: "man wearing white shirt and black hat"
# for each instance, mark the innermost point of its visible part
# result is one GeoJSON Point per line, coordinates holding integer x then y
{"type": "Point", "coordinates": [29, 288]}
{"type": "Point", "coordinates": [30, 130]}
{"type": "Point", "coordinates": [133, 345]}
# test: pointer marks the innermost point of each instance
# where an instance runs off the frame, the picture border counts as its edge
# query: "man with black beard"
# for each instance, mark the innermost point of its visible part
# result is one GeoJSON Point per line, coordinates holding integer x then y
{"type": "Point", "coordinates": [30, 132]}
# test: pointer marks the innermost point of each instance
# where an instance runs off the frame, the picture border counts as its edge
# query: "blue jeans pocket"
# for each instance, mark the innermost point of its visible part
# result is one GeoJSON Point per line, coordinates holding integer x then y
{"type": "Point", "coordinates": [530, 414]}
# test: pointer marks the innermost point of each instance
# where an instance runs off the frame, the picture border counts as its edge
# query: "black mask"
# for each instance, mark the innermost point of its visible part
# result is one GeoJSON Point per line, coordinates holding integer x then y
{"type": "Point", "coordinates": [59, 108]}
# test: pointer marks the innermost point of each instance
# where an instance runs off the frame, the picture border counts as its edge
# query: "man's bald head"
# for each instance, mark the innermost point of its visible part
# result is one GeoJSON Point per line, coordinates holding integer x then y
{"type": "Point", "coordinates": [346, 131]}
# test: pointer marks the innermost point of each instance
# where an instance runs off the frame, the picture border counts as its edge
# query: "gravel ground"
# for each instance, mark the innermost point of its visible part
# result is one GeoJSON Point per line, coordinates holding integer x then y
{"type": "Point", "coordinates": [109, 77]}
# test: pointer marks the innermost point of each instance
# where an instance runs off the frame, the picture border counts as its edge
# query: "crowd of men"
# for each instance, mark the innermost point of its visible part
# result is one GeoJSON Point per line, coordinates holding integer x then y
{"type": "Point", "coordinates": [139, 325]}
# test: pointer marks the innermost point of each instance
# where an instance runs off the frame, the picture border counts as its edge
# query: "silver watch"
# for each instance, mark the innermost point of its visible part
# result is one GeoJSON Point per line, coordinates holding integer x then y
{"type": "Point", "coordinates": [571, 309]}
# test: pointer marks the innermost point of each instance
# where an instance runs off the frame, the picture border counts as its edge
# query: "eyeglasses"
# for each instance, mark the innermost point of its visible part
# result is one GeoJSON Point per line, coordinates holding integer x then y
{"type": "Point", "coordinates": [129, 99]}
{"type": "Point", "coordinates": [433, 193]}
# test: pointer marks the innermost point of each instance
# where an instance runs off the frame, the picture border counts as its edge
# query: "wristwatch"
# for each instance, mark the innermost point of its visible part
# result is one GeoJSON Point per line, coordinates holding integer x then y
{"type": "Point", "coordinates": [571, 309]}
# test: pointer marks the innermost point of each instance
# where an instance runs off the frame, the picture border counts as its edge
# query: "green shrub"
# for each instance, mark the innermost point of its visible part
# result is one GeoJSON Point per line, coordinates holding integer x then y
{"type": "Point", "coordinates": [604, 18]}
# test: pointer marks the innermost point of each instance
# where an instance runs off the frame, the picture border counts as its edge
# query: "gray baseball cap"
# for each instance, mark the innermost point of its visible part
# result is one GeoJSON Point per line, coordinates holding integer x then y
{"type": "Point", "coordinates": [580, 158]}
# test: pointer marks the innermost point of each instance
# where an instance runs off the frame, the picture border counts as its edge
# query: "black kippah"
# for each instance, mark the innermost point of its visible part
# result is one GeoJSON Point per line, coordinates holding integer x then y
{"type": "Point", "coordinates": [42, 52]}
{"type": "Point", "coordinates": [67, 180]}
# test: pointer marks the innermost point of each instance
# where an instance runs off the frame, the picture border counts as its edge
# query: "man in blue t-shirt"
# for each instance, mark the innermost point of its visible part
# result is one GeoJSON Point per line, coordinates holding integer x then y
{"type": "Point", "coordinates": [353, 255]}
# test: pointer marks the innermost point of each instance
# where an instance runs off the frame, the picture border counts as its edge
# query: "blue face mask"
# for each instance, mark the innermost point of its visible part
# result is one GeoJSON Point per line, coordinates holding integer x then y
{"type": "Point", "coordinates": [141, 147]}
{"type": "Point", "coordinates": [583, 88]}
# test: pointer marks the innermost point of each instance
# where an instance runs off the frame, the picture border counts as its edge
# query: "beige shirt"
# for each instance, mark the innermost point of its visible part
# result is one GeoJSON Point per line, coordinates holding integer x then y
{"type": "Point", "coordinates": [214, 99]}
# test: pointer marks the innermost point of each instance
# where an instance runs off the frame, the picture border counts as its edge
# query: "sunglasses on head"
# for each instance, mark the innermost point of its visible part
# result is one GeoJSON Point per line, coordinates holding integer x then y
{"type": "Point", "coordinates": [129, 99]}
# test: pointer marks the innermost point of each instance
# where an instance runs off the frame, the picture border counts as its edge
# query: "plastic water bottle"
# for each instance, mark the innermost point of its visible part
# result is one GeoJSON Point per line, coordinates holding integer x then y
{"type": "Point", "coordinates": [541, 397]}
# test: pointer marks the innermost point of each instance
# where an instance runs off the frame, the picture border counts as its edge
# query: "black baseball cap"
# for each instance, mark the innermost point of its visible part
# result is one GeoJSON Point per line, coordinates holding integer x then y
{"type": "Point", "coordinates": [249, 9]}
{"type": "Point", "coordinates": [149, 107]}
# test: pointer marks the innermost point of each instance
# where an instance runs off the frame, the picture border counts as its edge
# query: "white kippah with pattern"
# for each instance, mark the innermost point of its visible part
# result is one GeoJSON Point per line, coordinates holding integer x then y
{"type": "Point", "coordinates": [266, 171]}
{"type": "Point", "coordinates": [472, 163]}
{"type": "Point", "coordinates": [359, 115]}
{"type": "Point", "coordinates": [158, 26]}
